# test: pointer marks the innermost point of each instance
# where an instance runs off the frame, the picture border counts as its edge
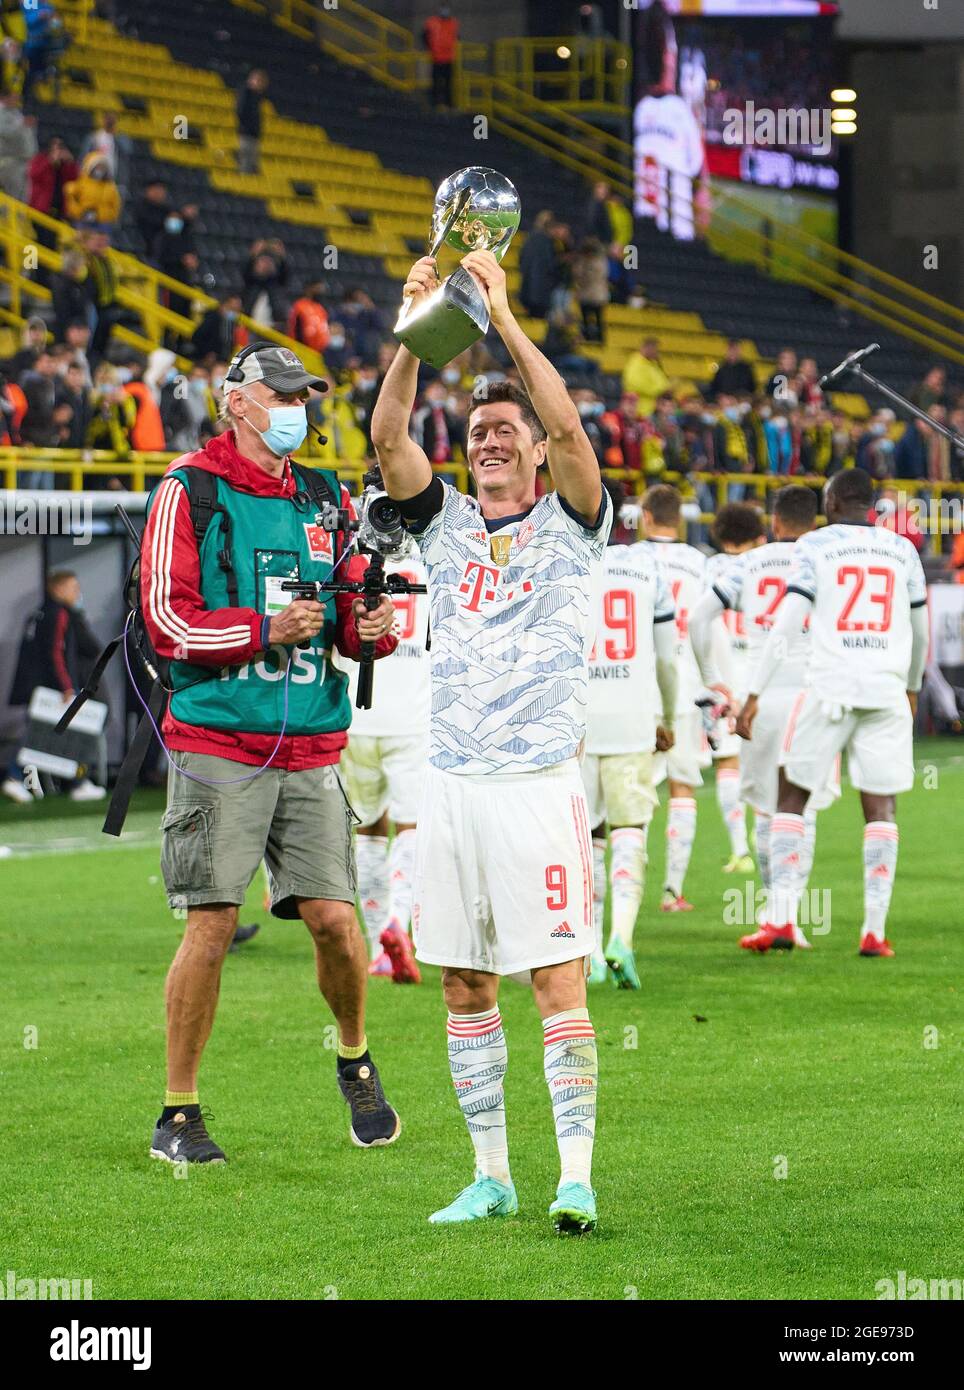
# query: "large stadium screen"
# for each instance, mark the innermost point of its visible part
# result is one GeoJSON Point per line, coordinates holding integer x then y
{"type": "Point", "coordinates": [730, 90]}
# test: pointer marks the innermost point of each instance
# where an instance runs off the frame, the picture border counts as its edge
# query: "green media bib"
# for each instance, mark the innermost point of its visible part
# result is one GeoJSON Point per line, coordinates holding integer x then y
{"type": "Point", "coordinates": [272, 539]}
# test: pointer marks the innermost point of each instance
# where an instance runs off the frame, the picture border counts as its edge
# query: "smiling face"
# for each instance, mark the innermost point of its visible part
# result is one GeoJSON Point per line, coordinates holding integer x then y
{"type": "Point", "coordinates": [502, 453]}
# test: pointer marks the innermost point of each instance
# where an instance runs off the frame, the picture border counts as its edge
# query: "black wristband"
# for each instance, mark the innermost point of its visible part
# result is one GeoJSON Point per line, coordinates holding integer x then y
{"type": "Point", "coordinates": [419, 510]}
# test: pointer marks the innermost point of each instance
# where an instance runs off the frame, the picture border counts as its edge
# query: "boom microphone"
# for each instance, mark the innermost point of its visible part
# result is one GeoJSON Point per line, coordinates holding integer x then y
{"type": "Point", "coordinates": [848, 364]}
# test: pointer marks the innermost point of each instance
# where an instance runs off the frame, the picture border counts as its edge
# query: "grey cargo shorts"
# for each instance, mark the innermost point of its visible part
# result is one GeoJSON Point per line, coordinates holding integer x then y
{"type": "Point", "coordinates": [214, 837]}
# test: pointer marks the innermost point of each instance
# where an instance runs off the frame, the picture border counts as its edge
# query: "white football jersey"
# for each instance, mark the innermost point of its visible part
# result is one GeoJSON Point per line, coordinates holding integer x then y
{"type": "Point", "coordinates": [685, 570]}
{"type": "Point", "coordinates": [754, 587]}
{"type": "Point", "coordinates": [513, 614]}
{"type": "Point", "coordinates": [729, 634]}
{"type": "Point", "coordinates": [401, 693]}
{"type": "Point", "coordinates": [863, 581]}
{"type": "Point", "coordinates": [623, 694]}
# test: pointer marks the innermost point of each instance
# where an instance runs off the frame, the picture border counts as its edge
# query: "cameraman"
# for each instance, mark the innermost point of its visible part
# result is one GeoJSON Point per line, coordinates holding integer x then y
{"type": "Point", "coordinates": [255, 726]}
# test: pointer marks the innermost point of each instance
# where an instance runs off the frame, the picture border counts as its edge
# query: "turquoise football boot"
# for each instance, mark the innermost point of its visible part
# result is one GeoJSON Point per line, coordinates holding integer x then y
{"type": "Point", "coordinates": [574, 1210]}
{"type": "Point", "coordinates": [485, 1197]}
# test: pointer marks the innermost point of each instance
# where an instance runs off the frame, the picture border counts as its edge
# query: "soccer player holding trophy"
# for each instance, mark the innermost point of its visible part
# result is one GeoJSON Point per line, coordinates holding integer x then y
{"type": "Point", "coordinates": [503, 860]}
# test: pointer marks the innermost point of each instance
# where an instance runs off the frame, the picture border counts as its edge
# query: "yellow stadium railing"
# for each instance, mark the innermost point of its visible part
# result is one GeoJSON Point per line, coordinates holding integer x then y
{"type": "Point", "coordinates": [141, 471]}
{"type": "Point", "coordinates": [592, 75]}
{"type": "Point", "coordinates": [140, 287]}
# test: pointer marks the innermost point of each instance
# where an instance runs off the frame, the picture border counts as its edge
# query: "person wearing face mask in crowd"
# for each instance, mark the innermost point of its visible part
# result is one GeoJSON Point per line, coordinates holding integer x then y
{"type": "Point", "coordinates": [218, 333]}
{"type": "Point", "coordinates": [175, 252]}
{"type": "Point", "coordinates": [93, 194]}
{"type": "Point", "coordinates": [260, 739]}
{"type": "Point", "coordinates": [875, 448]}
{"type": "Point", "coordinates": [776, 430]}
{"type": "Point", "coordinates": [592, 411]}
{"type": "Point", "coordinates": [113, 411]}
{"type": "Point", "coordinates": [338, 352]}
{"type": "Point", "coordinates": [147, 431]}
{"type": "Point", "coordinates": [363, 395]}
{"type": "Point", "coordinates": [308, 318]}
{"type": "Point", "coordinates": [435, 429]}
{"type": "Point", "coordinates": [732, 444]}
{"type": "Point", "coordinates": [364, 325]}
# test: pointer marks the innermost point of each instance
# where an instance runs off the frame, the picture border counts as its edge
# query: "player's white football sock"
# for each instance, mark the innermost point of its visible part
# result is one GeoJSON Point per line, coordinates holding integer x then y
{"type": "Point", "coordinates": [598, 888]}
{"type": "Point", "coordinates": [572, 1071]}
{"type": "Point", "coordinates": [401, 859]}
{"type": "Point", "coordinates": [680, 832]}
{"type": "Point", "coordinates": [478, 1058]}
{"type": "Point", "coordinates": [761, 827]}
{"type": "Point", "coordinates": [371, 855]}
{"type": "Point", "coordinates": [786, 841]}
{"type": "Point", "coordinates": [732, 808]}
{"type": "Point", "coordinates": [808, 847]}
{"type": "Point", "coordinates": [880, 865]}
{"type": "Point", "coordinates": [627, 876]}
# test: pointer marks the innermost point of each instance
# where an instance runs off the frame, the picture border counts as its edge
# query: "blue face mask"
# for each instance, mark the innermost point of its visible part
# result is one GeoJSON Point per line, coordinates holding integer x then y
{"type": "Point", "coordinates": [287, 430]}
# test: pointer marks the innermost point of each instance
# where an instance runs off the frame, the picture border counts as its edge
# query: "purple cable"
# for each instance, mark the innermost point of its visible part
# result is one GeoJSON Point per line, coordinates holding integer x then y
{"type": "Point", "coordinates": [191, 776]}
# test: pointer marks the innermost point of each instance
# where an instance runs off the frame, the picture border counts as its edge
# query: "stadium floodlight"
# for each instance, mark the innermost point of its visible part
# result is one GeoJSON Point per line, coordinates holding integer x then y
{"type": "Point", "coordinates": [843, 127]}
{"type": "Point", "coordinates": [843, 113]}
{"type": "Point", "coordinates": [843, 94]}
{"type": "Point", "coordinates": [563, 52]}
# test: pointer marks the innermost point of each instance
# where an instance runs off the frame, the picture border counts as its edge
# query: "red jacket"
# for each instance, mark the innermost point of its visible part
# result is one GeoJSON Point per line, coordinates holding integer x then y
{"type": "Point", "coordinates": [441, 36]}
{"type": "Point", "coordinates": [43, 175]}
{"type": "Point", "coordinates": [178, 623]}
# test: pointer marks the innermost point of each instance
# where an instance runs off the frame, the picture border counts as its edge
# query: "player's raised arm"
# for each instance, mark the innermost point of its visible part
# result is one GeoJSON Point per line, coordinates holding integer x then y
{"type": "Point", "coordinates": [570, 456]}
{"type": "Point", "coordinates": [406, 471]}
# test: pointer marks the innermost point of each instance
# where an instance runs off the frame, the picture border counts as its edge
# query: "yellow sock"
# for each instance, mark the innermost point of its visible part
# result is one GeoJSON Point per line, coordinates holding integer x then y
{"type": "Point", "coordinates": [350, 1053]}
{"type": "Point", "coordinates": [180, 1098]}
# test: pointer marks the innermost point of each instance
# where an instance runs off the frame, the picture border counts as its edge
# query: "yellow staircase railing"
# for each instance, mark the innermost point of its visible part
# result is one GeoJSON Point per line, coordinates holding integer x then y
{"type": "Point", "coordinates": [140, 287]}
{"type": "Point", "coordinates": [579, 74]}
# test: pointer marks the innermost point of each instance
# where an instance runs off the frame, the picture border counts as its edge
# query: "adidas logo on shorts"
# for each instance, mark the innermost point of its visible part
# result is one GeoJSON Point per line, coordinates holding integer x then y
{"type": "Point", "coordinates": [564, 930]}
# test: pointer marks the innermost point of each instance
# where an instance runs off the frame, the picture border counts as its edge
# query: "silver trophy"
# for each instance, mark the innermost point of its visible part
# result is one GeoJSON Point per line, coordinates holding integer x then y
{"type": "Point", "coordinates": [475, 210]}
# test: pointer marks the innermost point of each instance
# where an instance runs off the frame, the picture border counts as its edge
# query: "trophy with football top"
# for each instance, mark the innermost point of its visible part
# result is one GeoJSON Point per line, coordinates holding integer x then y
{"type": "Point", "coordinates": [476, 209]}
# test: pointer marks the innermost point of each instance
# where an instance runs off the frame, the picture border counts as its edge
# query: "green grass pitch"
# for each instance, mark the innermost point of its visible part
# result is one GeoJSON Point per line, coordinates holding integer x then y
{"type": "Point", "coordinates": [822, 1065]}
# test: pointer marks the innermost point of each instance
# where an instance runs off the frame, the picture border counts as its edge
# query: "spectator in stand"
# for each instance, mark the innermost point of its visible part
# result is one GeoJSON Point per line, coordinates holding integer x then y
{"type": "Point", "coordinates": [93, 195]}
{"type": "Point", "coordinates": [75, 393]}
{"type": "Point", "coordinates": [666, 425]}
{"type": "Point", "coordinates": [955, 422]}
{"type": "Point", "coordinates": [48, 174]}
{"type": "Point", "coordinates": [590, 283]}
{"type": "Point", "coordinates": [891, 512]}
{"type": "Point", "coordinates": [435, 429]}
{"type": "Point", "coordinates": [779, 442]}
{"type": "Point", "coordinates": [216, 336]}
{"type": "Point", "coordinates": [363, 324]}
{"type": "Point", "coordinates": [338, 352]}
{"type": "Point", "coordinates": [912, 453]}
{"type": "Point", "coordinates": [147, 431]}
{"type": "Point", "coordinates": [732, 444]}
{"type": "Point", "coordinates": [175, 252]}
{"type": "Point", "coordinates": [539, 268]}
{"type": "Point", "coordinates": [734, 375]}
{"type": "Point", "coordinates": [105, 139]}
{"type": "Point", "coordinates": [70, 292]}
{"type": "Point", "coordinates": [932, 390]}
{"type": "Point", "coordinates": [808, 389]}
{"type": "Point", "coordinates": [334, 415]}
{"type": "Point", "coordinates": [362, 397]}
{"type": "Point", "coordinates": [18, 145]}
{"type": "Point", "coordinates": [440, 36]}
{"type": "Point", "coordinates": [561, 234]}
{"type": "Point", "coordinates": [38, 428]}
{"type": "Point", "coordinates": [265, 275]}
{"type": "Point", "coordinates": [622, 224]}
{"type": "Point", "coordinates": [780, 384]}
{"type": "Point", "coordinates": [113, 412]}
{"type": "Point", "coordinates": [76, 343]}
{"type": "Point", "coordinates": [592, 413]}
{"type": "Point", "coordinates": [875, 448]}
{"type": "Point", "coordinates": [249, 103]}
{"type": "Point", "coordinates": [644, 377]}
{"type": "Point", "coordinates": [43, 42]}
{"type": "Point", "coordinates": [308, 318]}
{"type": "Point", "coordinates": [561, 345]}
{"type": "Point", "coordinates": [11, 412]}
{"type": "Point", "coordinates": [625, 433]}
{"type": "Point", "coordinates": [102, 278]}
{"type": "Point", "coordinates": [33, 340]}
{"type": "Point", "coordinates": [598, 218]}
{"type": "Point", "coordinates": [150, 213]}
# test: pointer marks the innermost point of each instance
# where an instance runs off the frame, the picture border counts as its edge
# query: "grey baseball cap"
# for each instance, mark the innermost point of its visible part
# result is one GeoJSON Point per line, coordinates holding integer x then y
{"type": "Point", "coordinates": [278, 367]}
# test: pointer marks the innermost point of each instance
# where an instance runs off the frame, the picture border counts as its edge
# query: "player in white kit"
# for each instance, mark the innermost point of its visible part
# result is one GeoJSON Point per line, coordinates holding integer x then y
{"type": "Point", "coordinates": [863, 588]}
{"type": "Point", "coordinates": [737, 529]}
{"type": "Point", "coordinates": [383, 767]}
{"type": "Point", "coordinates": [632, 676]}
{"type": "Point", "coordinates": [685, 570]}
{"type": "Point", "coordinates": [753, 586]}
{"type": "Point", "coordinates": [503, 862]}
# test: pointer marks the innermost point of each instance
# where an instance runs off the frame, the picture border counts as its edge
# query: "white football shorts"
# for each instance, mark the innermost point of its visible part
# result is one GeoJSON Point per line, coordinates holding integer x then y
{"type": "Point", "coordinates": [385, 774]}
{"type": "Point", "coordinates": [760, 756]}
{"type": "Point", "coordinates": [879, 744]}
{"type": "Point", "coordinates": [690, 752]}
{"type": "Point", "coordinates": [619, 788]}
{"type": "Point", "coordinates": [503, 871]}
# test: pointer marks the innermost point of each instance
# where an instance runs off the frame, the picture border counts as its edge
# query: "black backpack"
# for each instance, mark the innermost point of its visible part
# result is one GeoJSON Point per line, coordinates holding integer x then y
{"type": "Point", "coordinates": [202, 490]}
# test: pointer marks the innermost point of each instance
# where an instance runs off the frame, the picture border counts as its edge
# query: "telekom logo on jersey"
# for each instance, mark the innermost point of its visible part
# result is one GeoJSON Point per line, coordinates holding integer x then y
{"type": "Point", "coordinates": [482, 584]}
